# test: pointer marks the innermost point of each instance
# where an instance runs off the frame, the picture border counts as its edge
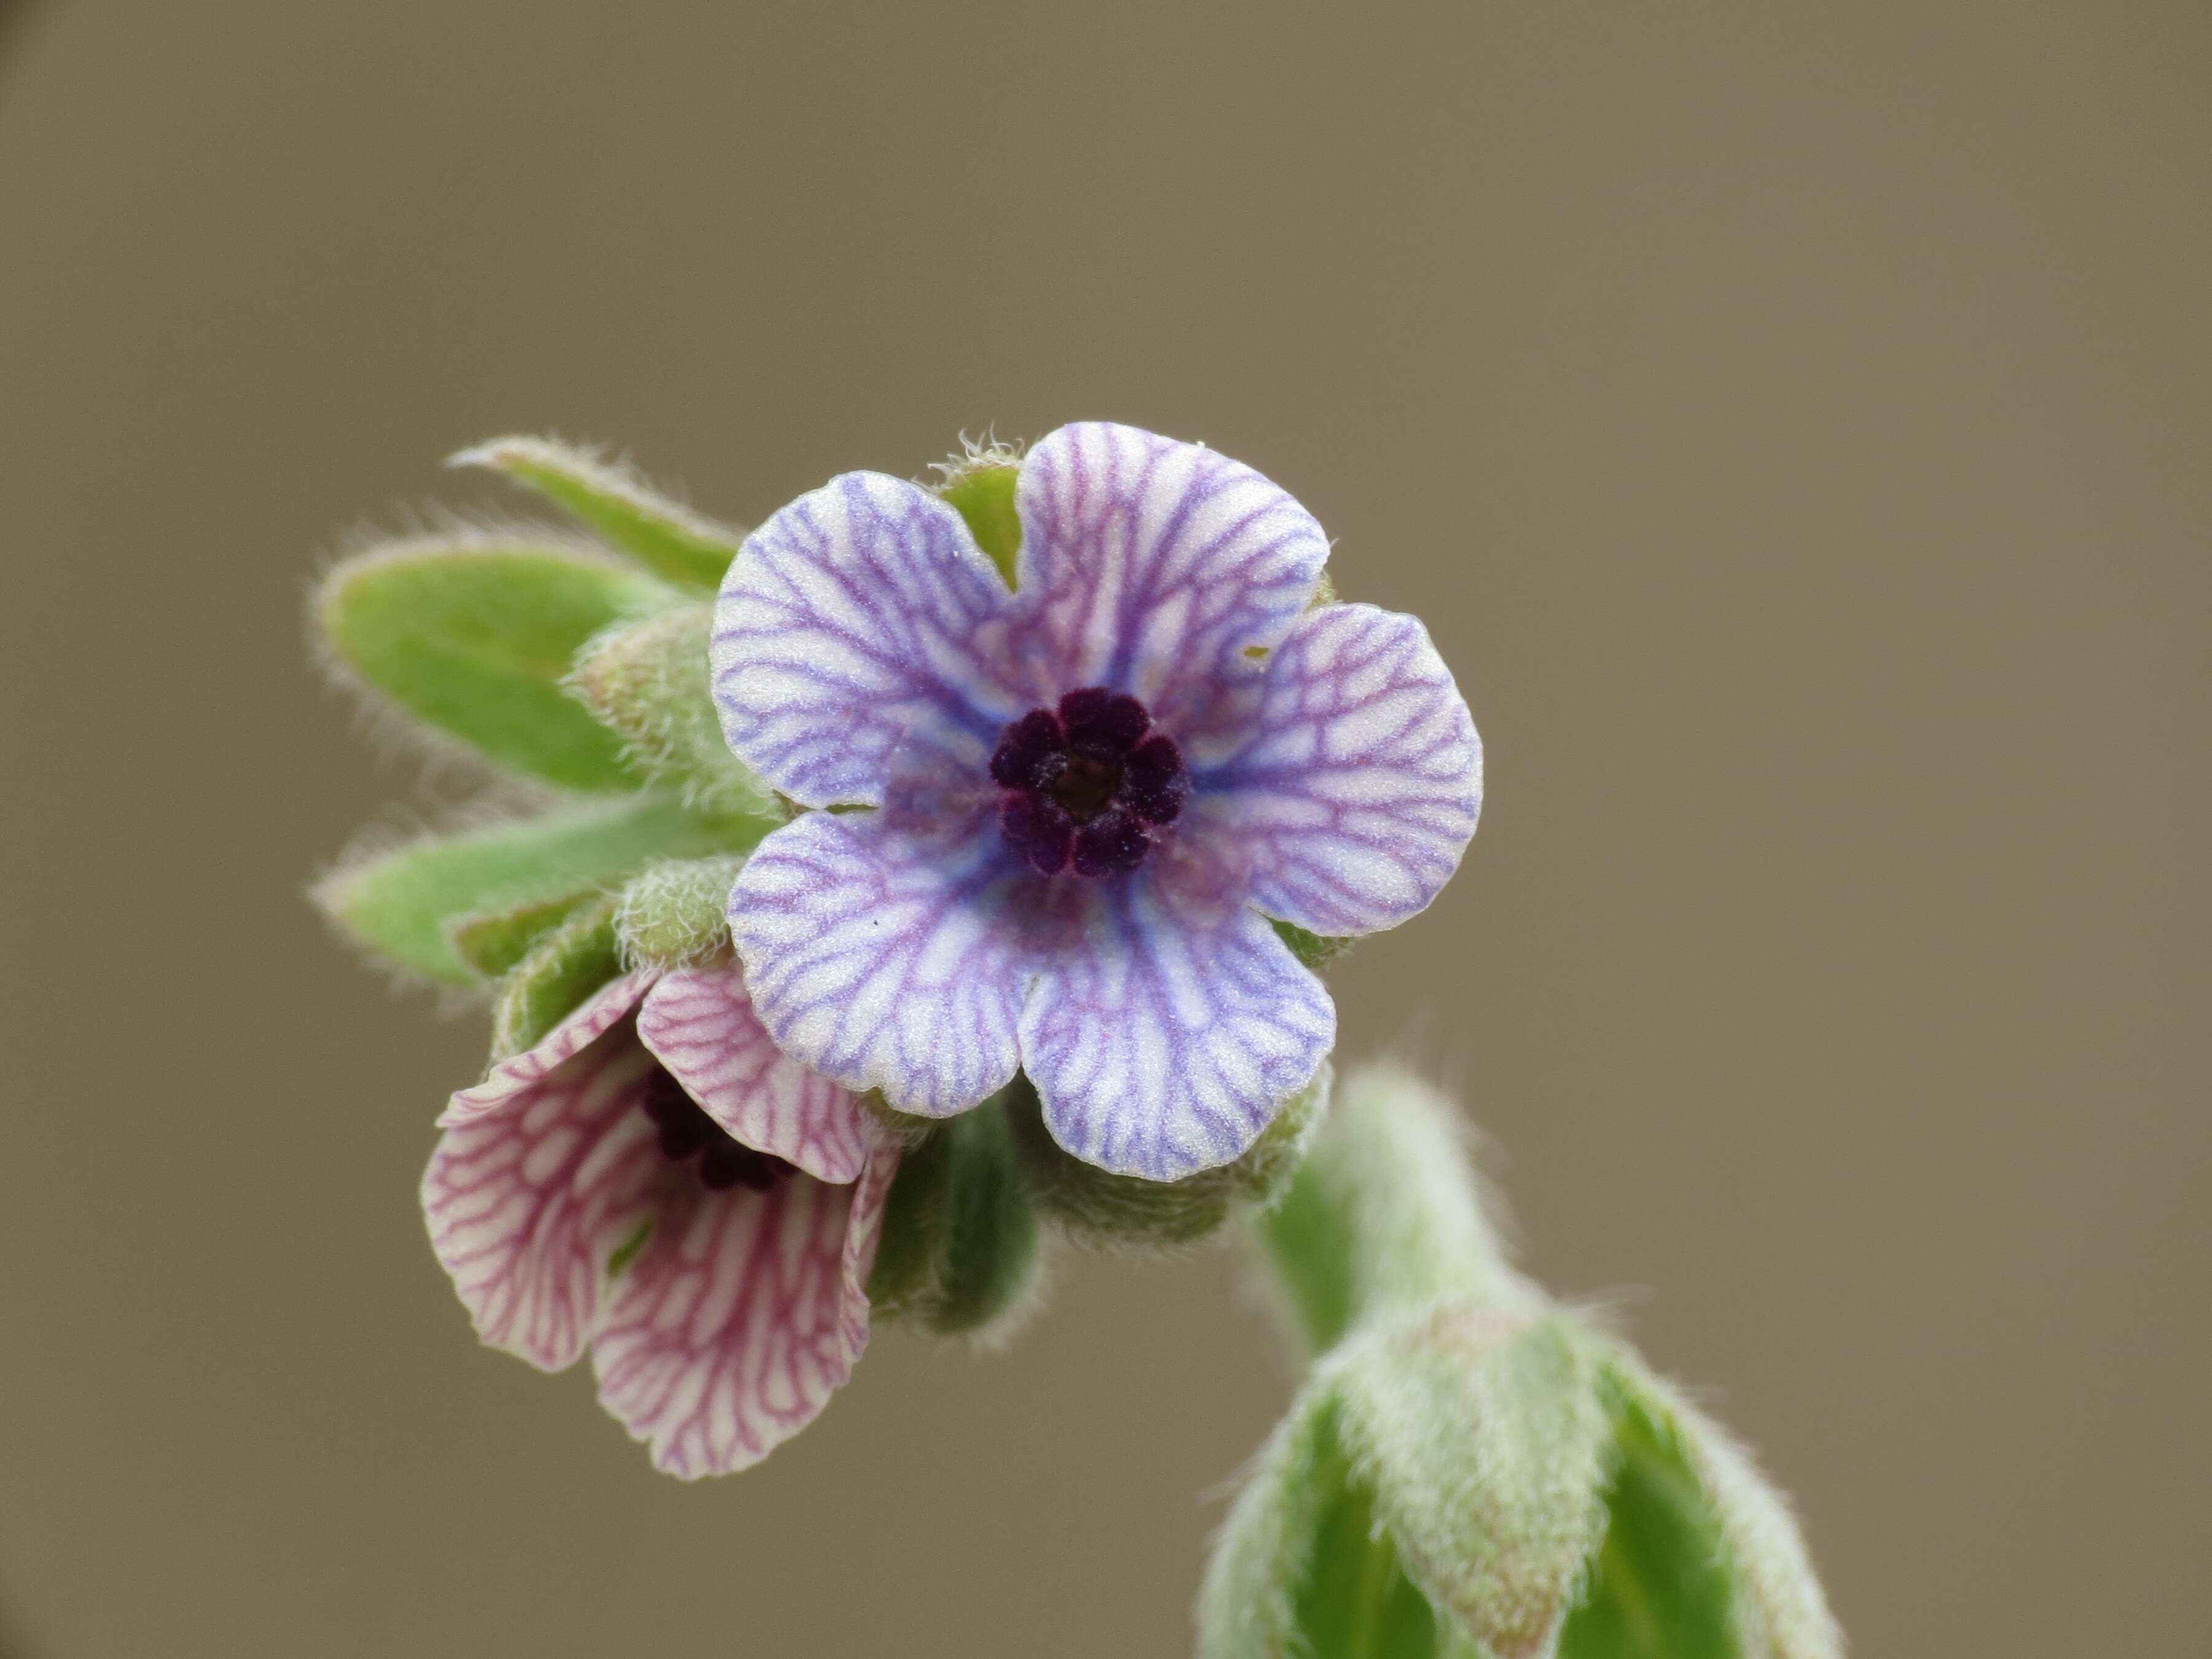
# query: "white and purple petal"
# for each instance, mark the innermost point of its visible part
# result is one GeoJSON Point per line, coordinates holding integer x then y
{"type": "Point", "coordinates": [1151, 566]}
{"type": "Point", "coordinates": [1167, 1041]}
{"type": "Point", "coordinates": [1360, 787]}
{"type": "Point", "coordinates": [701, 1025]}
{"type": "Point", "coordinates": [542, 1170]}
{"type": "Point", "coordinates": [730, 1330]}
{"type": "Point", "coordinates": [859, 618]}
{"type": "Point", "coordinates": [884, 961]}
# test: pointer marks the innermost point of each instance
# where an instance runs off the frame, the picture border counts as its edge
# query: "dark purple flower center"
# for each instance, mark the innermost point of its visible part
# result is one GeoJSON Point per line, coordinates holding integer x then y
{"type": "Point", "coordinates": [1086, 783]}
{"type": "Point", "coordinates": [686, 1132]}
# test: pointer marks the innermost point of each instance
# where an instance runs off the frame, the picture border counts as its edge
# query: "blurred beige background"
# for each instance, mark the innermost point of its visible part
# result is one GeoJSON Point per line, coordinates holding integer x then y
{"type": "Point", "coordinates": [1793, 424]}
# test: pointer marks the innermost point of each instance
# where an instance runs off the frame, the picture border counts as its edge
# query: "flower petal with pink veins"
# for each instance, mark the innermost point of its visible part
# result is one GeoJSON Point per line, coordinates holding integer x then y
{"type": "Point", "coordinates": [849, 624]}
{"type": "Point", "coordinates": [1358, 790]}
{"type": "Point", "coordinates": [864, 1232]}
{"type": "Point", "coordinates": [728, 1334]}
{"type": "Point", "coordinates": [1166, 1043]}
{"type": "Point", "coordinates": [884, 962]}
{"type": "Point", "coordinates": [1151, 566]}
{"type": "Point", "coordinates": [522, 1074]}
{"type": "Point", "coordinates": [530, 1192]}
{"type": "Point", "coordinates": [701, 1023]}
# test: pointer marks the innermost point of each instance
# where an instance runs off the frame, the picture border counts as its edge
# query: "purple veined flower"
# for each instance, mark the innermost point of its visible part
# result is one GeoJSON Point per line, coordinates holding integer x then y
{"type": "Point", "coordinates": [1087, 794]}
{"type": "Point", "coordinates": [656, 1183]}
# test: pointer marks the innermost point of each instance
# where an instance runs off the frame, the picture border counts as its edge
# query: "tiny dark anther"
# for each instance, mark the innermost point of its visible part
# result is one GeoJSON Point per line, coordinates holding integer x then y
{"type": "Point", "coordinates": [1153, 781]}
{"type": "Point", "coordinates": [1102, 722]}
{"type": "Point", "coordinates": [1029, 752]}
{"type": "Point", "coordinates": [1114, 842]}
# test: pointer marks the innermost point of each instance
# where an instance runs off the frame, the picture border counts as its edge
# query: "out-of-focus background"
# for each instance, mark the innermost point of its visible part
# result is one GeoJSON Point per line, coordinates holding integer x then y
{"type": "Point", "coordinates": [1794, 424]}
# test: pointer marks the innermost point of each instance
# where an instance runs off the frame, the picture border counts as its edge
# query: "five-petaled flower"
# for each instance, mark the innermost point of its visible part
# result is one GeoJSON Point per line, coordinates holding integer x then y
{"type": "Point", "coordinates": [1089, 792]}
{"type": "Point", "coordinates": [657, 1181]}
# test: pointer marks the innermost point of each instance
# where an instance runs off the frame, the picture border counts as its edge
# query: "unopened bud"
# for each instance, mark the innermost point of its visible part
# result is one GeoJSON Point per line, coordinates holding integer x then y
{"type": "Point", "coordinates": [959, 1249]}
{"type": "Point", "coordinates": [647, 684]}
{"type": "Point", "coordinates": [675, 912]}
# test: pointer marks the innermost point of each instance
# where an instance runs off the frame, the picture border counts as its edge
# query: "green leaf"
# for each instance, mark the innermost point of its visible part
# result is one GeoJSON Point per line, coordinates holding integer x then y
{"type": "Point", "coordinates": [1485, 1443]}
{"type": "Point", "coordinates": [664, 536]}
{"type": "Point", "coordinates": [1302, 1569]}
{"type": "Point", "coordinates": [560, 970]}
{"type": "Point", "coordinates": [1097, 1207]}
{"type": "Point", "coordinates": [983, 493]}
{"type": "Point", "coordinates": [647, 683]}
{"type": "Point", "coordinates": [959, 1249]}
{"type": "Point", "coordinates": [490, 942]}
{"type": "Point", "coordinates": [473, 635]}
{"type": "Point", "coordinates": [1661, 1588]}
{"type": "Point", "coordinates": [403, 903]}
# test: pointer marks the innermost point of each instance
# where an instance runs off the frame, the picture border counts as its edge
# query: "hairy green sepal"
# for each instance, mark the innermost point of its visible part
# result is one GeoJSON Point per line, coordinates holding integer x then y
{"type": "Point", "coordinates": [553, 979]}
{"type": "Point", "coordinates": [490, 942]}
{"type": "Point", "coordinates": [1097, 1207]}
{"type": "Point", "coordinates": [1302, 1569]}
{"type": "Point", "coordinates": [959, 1249]}
{"type": "Point", "coordinates": [1702, 1558]}
{"type": "Point", "coordinates": [1659, 1587]}
{"type": "Point", "coordinates": [982, 493]}
{"type": "Point", "coordinates": [1317, 951]}
{"type": "Point", "coordinates": [408, 904]}
{"type": "Point", "coordinates": [646, 681]}
{"type": "Point", "coordinates": [1484, 1443]}
{"type": "Point", "coordinates": [664, 535]}
{"type": "Point", "coordinates": [473, 636]}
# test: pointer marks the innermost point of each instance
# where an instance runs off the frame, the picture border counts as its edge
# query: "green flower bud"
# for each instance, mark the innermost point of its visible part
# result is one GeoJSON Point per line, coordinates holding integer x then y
{"type": "Point", "coordinates": [1097, 1207]}
{"type": "Point", "coordinates": [1471, 1470]}
{"type": "Point", "coordinates": [959, 1250]}
{"type": "Point", "coordinates": [471, 634]}
{"type": "Point", "coordinates": [667, 537]}
{"type": "Point", "coordinates": [646, 681]}
{"type": "Point", "coordinates": [675, 912]}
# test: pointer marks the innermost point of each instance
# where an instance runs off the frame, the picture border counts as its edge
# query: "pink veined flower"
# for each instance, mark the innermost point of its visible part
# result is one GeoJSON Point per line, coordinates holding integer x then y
{"type": "Point", "coordinates": [1088, 793]}
{"type": "Point", "coordinates": [656, 1183]}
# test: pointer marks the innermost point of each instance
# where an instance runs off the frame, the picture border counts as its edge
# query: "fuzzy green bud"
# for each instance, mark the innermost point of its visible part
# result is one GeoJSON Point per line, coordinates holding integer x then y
{"type": "Point", "coordinates": [676, 913]}
{"type": "Point", "coordinates": [1526, 1486]}
{"type": "Point", "coordinates": [646, 682]}
{"type": "Point", "coordinates": [959, 1250]}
